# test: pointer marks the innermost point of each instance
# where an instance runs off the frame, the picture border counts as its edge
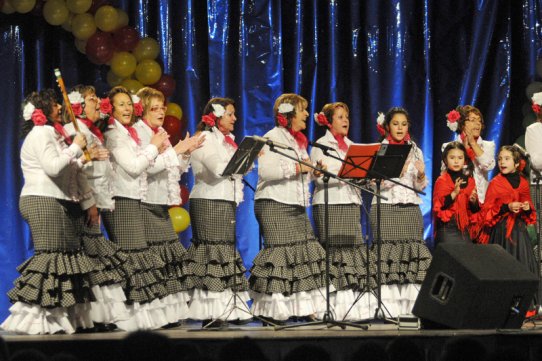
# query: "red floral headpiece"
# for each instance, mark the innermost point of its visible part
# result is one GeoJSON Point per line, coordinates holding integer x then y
{"type": "Point", "coordinates": [105, 106]}
{"type": "Point", "coordinates": [76, 101]}
{"type": "Point", "coordinates": [209, 119]}
{"type": "Point", "coordinates": [321, 120]}
{"type": "Point", "coordinates": [138, 107]}
{"type": "Point", "coordinates": [452, 120]}
{"type": "Point", "coordinates": [38, 117]}
{"type": "Point", "coordinates": [281, 119]}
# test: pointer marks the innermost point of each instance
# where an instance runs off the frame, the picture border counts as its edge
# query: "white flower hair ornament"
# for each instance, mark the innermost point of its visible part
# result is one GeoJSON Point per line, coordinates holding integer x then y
{"type": "Point", "coordinates": [452, 120]}
{"type": "Point", "coordinates": [321, 120]}
{"type": "Point", "coordinates": [28, 110]}
{"type": "Point", "coordinates": [285, 108]}
{"type": "Point", "coordinates": [218, 110]}
{"type": "Point", "coordinates": [380, 120]}
{"type": "Point", "coordinates": [76, 98]}
{"type": "Point", "coordinates": [537, 102]}
{"type": "Point", "coordinates": [138, 107]}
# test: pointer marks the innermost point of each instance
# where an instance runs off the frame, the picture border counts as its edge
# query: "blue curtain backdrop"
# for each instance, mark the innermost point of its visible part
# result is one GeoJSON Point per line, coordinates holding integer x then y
{"type": "Point", "coordinates": [427, 56]}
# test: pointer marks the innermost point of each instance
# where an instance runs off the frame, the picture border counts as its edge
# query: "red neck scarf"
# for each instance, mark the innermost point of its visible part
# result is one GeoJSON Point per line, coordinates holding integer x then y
{"type": "Point", "coordinates": [93, 128]}
{"type": "Point", "coordinates": [228, 139]}
{"type": "Point", "coordinates": [133, 133]}
{"type": "Point", "coordinates": [300, 138]}
{"type": "Point", "coordinates": [60, 130]}
{"type": "Point", "coordinates": [154, 129]}
{"type": "Point", "coordinates": [393, 141]}
{"type": "Point", "coordinates": [340, 139]}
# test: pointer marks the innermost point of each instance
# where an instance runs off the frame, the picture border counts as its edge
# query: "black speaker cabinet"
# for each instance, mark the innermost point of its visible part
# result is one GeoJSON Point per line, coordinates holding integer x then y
{"type": "Point", "coordinates": [475, 287]}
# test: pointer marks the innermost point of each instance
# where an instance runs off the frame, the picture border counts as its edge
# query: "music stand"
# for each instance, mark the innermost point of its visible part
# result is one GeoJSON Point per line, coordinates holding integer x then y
{"type": "Point", "coordinates": [240, 163]}
{"type": "Point", "coordinates": [385, 161]}
{"type": "Point", "coordinates": [328, 318]}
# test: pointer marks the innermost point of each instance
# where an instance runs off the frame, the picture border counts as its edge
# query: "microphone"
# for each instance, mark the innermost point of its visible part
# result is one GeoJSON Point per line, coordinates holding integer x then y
{"type": "Point", "coordinates": [271, 143]}
{"type": "Point", "coordinates": [325, 148]}
{"type": "Point", "coordinates": [522, 151]}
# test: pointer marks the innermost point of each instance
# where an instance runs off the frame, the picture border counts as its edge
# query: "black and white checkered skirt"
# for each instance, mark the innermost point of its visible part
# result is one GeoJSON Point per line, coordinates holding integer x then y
{"type": "Point", "coordinates": [58, 273]}
{"type": "Point", "coordinates": [164, 242]}
{"type": "Point", "coordinates": [145, 279]}
{"type": "Point", "coordinates": [347, 251]}
{"type": "Point", "coordinates": [405, 257]}
{"type": "Point", "coordinates": [212, 260]}
{"type": "Point", "coordinates": [292, 260]}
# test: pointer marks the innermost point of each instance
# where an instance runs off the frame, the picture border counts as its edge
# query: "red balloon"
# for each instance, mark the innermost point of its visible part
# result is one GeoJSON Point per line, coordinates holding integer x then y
{"type": "Point", "coordinates": [172, 126]}
{"type": "Point", "coordinates": [166, 85]}
{"type": "Point", "coordinates": [185, 194]}
{"type": "Point", "coordinates": [99, 48]}
{"type": "Point", "coordinates": [126, 38]}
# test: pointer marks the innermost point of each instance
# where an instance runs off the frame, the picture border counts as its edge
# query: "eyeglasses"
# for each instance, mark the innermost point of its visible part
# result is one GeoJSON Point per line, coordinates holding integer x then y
{"type": "Point", "coordinates": [474, 120]}
{"type": "Point", "coordinates": [157, 109]}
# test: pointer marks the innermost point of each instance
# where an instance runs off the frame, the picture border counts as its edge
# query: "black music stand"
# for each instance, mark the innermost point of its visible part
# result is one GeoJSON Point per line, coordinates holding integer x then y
{"type": "Point", "coordinates": [328, 317]}
{"type": "Point", "coordinates": [240, 163]}
{"type": "Point", "coordinates": [385, 163]}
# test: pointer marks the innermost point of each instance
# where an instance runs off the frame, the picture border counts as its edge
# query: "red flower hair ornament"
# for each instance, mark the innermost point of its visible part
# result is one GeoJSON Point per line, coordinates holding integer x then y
{"type": "Point", "coordinates": [451, 120]}
{"type": "Point", "coordinates": [321, 120]}
{"type": "Point", "coordinates": [537, 102]}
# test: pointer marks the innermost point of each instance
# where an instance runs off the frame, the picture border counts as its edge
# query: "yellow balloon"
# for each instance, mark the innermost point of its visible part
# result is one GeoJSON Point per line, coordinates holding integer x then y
{"type": "Point", "coordinates": [122, 20]}
{"type": "Point", "coordinates": [7, 8]}
{"type": "Point", "coordinates": [106, 18]}
{"type": "Point", "coordinates": [55, 12]}
{"type": "Point", "coordinates": [132, 85]}
{"type": "Point", "coordinates": [67, 25]}
{"type": "Point", "coordinates": [146, 48]}
{"type": "Point", "coordinates": [148, 71]}
{"type": "Point", "coordinates": [174, 110]}
{"type": "Point", "coordinates": [23, 6]}
{"type": "Point", "coordinates": [113, 79]}
{"type": "Point", "coordinates": [78, 6]}
{"type": "Point", "coordinates": [123, 64]}
{"type": "Point", "coordinates": [180, 218]}
{"type": "Point", "coordinates": [81, 44]}
{"type": "Point", "coordinates": [83, 26]}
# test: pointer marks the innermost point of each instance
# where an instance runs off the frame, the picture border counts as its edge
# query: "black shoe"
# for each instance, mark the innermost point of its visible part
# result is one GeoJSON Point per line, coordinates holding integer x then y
{"type": "Point", "coordinates": [241, 322]}
{"type": "Point", "coordinates": [212, 323]}
{"type": "Point", "coordinates": [268, 321]}
{"type": "Point", "coordinates": [172, 325]}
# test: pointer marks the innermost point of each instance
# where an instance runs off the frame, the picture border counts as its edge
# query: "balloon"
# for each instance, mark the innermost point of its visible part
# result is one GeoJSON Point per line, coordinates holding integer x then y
{"type": "Point", "coordinates": [528, 120]}
{"type": "Point", "coordinates": [99, 48]}
{"type": "Point", "coordinates": [123, 64]}
{"type": "Point", "coordinates": [55, 12]}
{"type": "Point", "coordinates": [175, 110]}
{"type": "Point", "coordinates": [80, 45]}
{"type": "Point", "coordinates": [23, 6]}
{"type": "Point", "coordinates": [147, 48]}
{"type": "Point", "coordinates": [67, 25]}
{"type": "Point", "coordinates": [6, 8]}
{"type": "Point", "coordinates": [180, 218]}
{"type": "Point", "coordinates": [132, 85]}
{"type": "Point", "coordinates": [126, 38]}
{"type": "Point", "coordinates": [83, 26]}
{"type": "Point", "coordinates": [122, 19]}
{"type": "Point", "coordinates": [78, 6]}
{"type": "Point", "coordinates": [532, 88]}
{"type": "Point", "coordinates": [106, 18]}
{"type": "Point", "coordinates": [185, 194]}
{"type": "Point", "coordinates": [96, 4]}
{"type": "Point", "coordinates": [113, 79]}
{"type": "Point", "coordinates": [166, 84]}
{"type": "Point", "coordinates": [148, 71]}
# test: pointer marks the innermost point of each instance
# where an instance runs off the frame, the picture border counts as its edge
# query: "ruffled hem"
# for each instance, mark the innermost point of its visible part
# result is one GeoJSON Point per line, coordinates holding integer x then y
{"type": "Point", "coordinates": [348, 305]}
{"type": "Point", "coordinates": [206, 305]}
{"type": "Point", "coordinates": [107, 259]}
{"type": "Point", "coordinates": [351, 265]}
{"type": "Point", "coordinates": [173, 253]}
{"type": "Point", "coordinates": [35, 320]}
{"type": "Point", "coordinates": [148, 316]}
{"type": "Point", "coordinates": [404, 261]}
{"type": "Point", "coordinates": [281, 307]}
{"type": "Point", "coordinates": [53, 279]}
{"type": "Point", "coordinates": [211, 267]}
{"type": "Point", "coordinates": [145, 282]}
{"type": "Point", "coordinates": [109, 305]}
{"type": "Point", "coordinates": [176, 306]}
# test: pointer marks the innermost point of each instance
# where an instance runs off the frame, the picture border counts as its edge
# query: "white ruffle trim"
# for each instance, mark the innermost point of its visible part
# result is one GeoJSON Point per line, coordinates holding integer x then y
{"type": "Point", "coordinates": [147, 316]}
{"type": "Point", "coordinates": [109, 306]}
{"type": "Point", "coordinates": [176, 306]}
{"type": "Point", "coordinates": [36, 320]}
{"type": "Point", "coordinates": [173, 178]}
{"type": "Point", "coordinates": [206, 305]}
{"type": "Point", "coordinates": [391, 300]}
{"type": "Point", "coordinates": [348, 305]}
{"type": "Point", "coordinates": [280, 307]}
{"type": "Point", "coordinates": [409, 293]}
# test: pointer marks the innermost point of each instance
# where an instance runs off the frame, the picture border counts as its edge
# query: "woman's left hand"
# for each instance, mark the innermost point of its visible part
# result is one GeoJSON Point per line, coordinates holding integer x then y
{"type": "Point", "coordinates": [93, 217]}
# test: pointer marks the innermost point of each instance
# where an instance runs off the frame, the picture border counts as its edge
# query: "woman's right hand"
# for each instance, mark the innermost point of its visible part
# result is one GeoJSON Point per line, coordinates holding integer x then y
{"type": "Point", "coordinates": [80, 140]}
{"type": "Point", "coordinates": [159, 139]}
{"type": "Point", "coordinates": [457, 187]}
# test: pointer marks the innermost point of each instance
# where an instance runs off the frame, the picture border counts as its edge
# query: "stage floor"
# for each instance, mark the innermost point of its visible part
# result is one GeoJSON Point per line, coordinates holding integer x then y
{"type": "Point", "coordinates": [276, 343]}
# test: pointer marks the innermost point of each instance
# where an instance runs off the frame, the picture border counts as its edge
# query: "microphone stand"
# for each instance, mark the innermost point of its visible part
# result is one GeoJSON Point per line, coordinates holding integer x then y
{"type": "Point", "coordinates": [328, 317]}
{"type": "Point", "coordinates": [379, 312]}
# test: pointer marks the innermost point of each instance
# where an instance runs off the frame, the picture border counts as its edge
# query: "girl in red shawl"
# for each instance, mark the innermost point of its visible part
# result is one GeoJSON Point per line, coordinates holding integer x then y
{"type": "Point", "coordinates": [508, 209]}
{"type": "Point", "coordinates": [454, 196]}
